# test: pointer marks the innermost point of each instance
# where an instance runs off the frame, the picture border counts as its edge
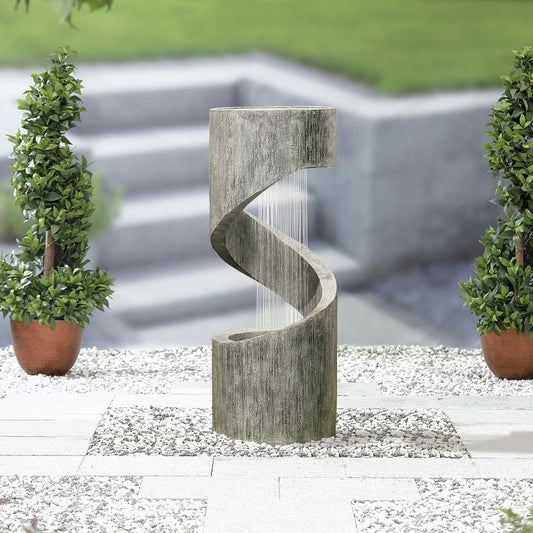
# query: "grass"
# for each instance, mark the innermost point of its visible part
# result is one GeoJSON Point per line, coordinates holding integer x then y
{"type": "Point", "coordinates": [395, 45]}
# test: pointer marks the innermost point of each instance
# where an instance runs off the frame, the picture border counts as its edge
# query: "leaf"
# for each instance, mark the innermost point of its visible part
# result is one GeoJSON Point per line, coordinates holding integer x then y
{"type": "Point", "coordinates": [52, 196]}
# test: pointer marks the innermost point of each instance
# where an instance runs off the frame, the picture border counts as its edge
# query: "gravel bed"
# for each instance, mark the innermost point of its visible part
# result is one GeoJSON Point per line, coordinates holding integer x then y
{"type": "Point", "coordinates": [133, 372]}
{"type": "Point", "coordinates": [447, 506]}
{"type": "Point", "coordinates": [398, 370]}
{"type": "Point", "coordinates": [108, 504]}
{"type": "Point", "coordinates": [360, 433]}
{"type": "Point", "coordinates": [425, 371]}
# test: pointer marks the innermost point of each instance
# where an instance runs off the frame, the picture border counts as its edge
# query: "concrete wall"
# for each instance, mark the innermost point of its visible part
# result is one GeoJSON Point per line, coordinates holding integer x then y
{"type": "Point", "coordinates": [427, 191]}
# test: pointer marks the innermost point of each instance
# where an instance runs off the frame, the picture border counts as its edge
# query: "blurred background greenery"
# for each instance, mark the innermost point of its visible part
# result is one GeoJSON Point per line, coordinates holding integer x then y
{"type": "Point", "coordinates": [397, 46]}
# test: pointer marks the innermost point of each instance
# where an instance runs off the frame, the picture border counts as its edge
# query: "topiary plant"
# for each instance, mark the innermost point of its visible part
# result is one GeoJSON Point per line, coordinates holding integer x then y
{"type": "Point", "coordinates": [47, 279]}
{"type": "Point", "coordinates": [501, 294]}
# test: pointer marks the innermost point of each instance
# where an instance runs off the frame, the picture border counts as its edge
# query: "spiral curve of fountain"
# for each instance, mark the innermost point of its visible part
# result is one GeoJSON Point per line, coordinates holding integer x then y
{"type": "Point", "coordinates": [276, 386]}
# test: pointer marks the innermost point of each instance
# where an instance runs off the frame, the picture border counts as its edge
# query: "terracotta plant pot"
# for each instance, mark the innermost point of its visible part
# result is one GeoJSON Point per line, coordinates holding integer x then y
{"type": "Point", "coordinates": [508, 355]}
{"type": "Point", "coordinates": [41, 350]}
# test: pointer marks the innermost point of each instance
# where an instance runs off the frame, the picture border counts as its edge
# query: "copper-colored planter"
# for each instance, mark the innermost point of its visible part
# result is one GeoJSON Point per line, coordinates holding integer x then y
{"type": "Point", "coordinates": [508, 355]}
{"type": "Point", "coordinates": [41, 350]}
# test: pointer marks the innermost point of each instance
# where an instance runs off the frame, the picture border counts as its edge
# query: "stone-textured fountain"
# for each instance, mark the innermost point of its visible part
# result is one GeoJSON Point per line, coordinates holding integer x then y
{"type": "Point", "coordinates": [272, 385]}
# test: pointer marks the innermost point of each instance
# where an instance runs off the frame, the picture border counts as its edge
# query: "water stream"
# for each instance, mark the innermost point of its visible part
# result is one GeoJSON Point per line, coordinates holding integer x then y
{"type": "Point", "coordinates": [284, 207]}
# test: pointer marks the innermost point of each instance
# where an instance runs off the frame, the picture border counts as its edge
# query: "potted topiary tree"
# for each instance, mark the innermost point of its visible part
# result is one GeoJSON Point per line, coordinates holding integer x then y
{"type": "Point", "coordinates": [501, 293]}
{"type": "Point", "coordinates": [45, 288]}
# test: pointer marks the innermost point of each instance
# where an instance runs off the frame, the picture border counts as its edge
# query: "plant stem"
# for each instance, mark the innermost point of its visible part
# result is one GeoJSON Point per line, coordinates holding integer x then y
{"type": "Point", "coordinates": [519, 252]}
{"type": "Point", "coordinates": [49, 253]}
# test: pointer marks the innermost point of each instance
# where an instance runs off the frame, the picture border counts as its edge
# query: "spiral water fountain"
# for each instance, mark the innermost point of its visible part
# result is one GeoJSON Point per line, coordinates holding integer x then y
{"type": "Point", "coordinates": [272, 385]}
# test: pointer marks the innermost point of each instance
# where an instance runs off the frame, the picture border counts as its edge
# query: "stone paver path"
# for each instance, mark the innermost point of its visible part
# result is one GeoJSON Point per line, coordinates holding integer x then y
{"type": "Point", "coordinates": [49, 434]}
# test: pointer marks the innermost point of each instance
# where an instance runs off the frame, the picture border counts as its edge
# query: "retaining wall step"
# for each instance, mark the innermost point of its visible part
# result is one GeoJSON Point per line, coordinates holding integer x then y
{"type": "Point", "coordinates": [195, 332]}
{"type": "Point", "coordinates": [210, 287]}
{"type": "Point", "coordinates": [174, 294]}
{"type": "Point", "coordinates": [164, 227]}
{"type": "Point", "coordinates": [156, 229]}
{"type": "Point", "coordinates": [154, 107]}
{"type": "Point", "coordinates": [150, 159]}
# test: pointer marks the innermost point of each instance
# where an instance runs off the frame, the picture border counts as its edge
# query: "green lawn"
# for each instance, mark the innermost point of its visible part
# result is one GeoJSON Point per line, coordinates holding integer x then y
{"type": "Point", "coordinates": [395, 45]}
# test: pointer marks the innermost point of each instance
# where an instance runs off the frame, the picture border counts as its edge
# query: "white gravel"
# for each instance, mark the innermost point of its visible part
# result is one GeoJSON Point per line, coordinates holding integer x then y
{"type": "Point", "coordinates": [91, 505]}
{"type": "Point", "coordinates": [398, 370]}
{"type": "Point", "coordinates": [360, 433]}
{"type": "Point", "coordinates": [112, 370]}
{"type": "Point", "coordinates": [425, 371]}
{"type": "Point", "coordinates": [447, 506]}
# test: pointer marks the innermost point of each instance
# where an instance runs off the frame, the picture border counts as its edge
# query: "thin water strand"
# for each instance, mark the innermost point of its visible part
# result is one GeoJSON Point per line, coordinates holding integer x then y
{"type": "Point", "coordinates": [284, 207]}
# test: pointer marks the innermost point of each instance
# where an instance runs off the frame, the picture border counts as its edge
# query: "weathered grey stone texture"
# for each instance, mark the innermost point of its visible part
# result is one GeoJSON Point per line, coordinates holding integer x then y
{"type": "Point", "coordinates": [276, 386]}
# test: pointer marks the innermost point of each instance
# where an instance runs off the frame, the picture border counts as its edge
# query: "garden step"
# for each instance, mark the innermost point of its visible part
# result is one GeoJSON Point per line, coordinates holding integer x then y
{"type": "Point", "coordinates": [123, 109]}
{"type": "Point", "coordinates": [195, 332]}
{"type": "Point", "coordinates": [210, 287]}
{"type": "Point", "coordinates": [165, 227]}
{"type": "Point", "coordinates": [150, 159]}
{"type": "Point", "coordinates": [135, 95]}
{"type": "Point", "coordinates": [158, 228]}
